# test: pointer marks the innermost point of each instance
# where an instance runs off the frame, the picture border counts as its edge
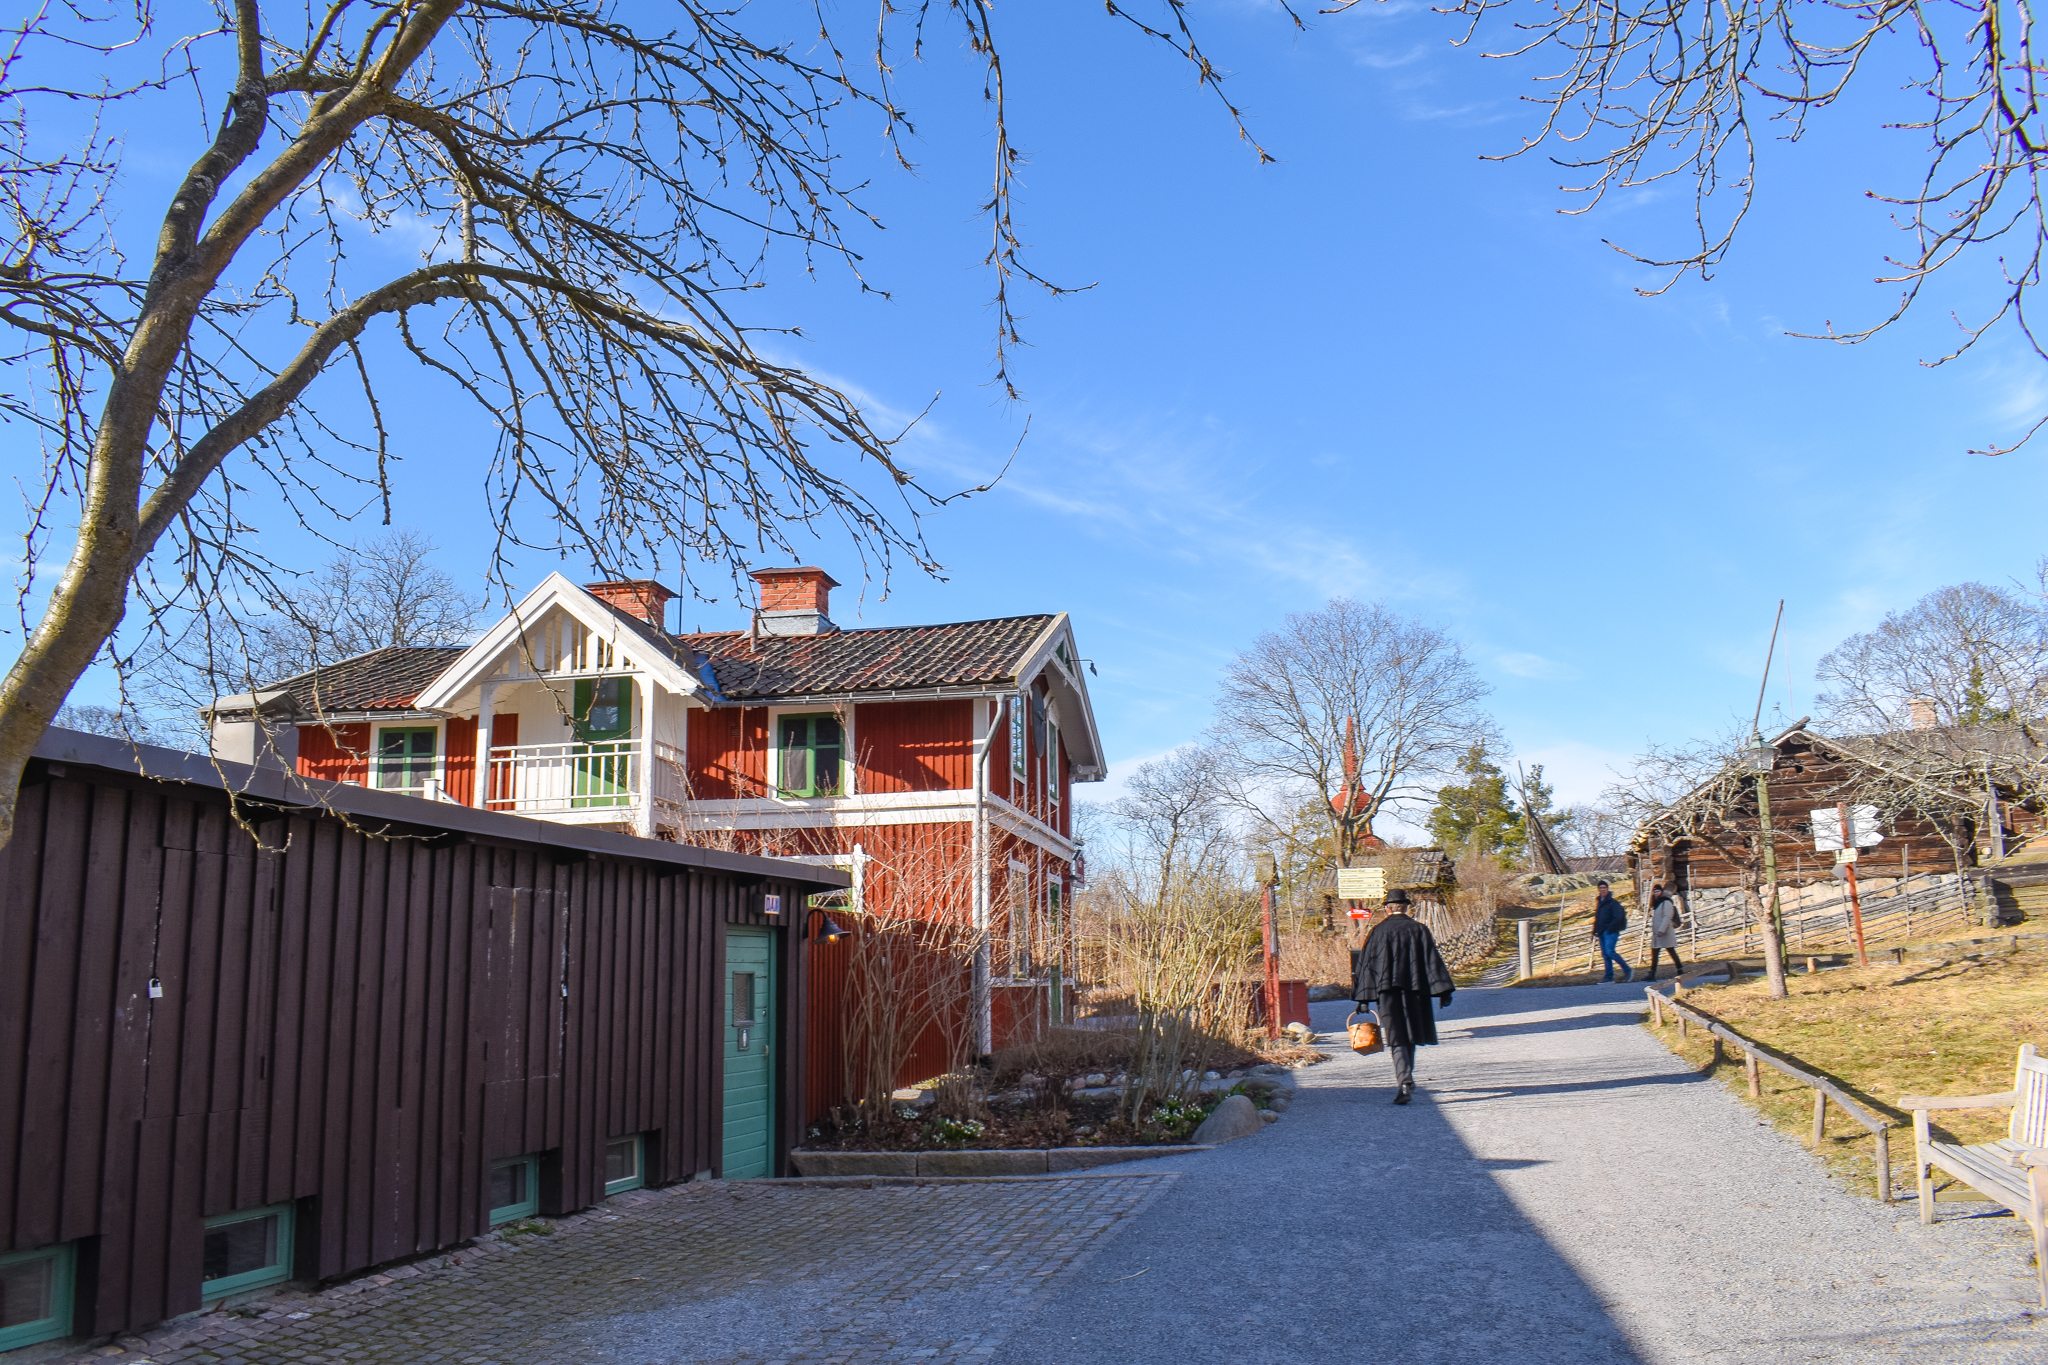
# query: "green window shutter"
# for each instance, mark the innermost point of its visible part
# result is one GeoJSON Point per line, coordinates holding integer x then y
{"type": "Point", "coordinates": [604, 709]}
{"type": "Point", "coordinates": [1016, 705]}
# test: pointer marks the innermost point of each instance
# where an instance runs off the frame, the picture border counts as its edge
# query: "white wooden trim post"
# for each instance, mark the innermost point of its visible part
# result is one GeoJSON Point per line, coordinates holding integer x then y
{"type": "Point", "coordinates": [983, 1004]}
{"type": "Point", "coordinates": [486, 705]}
{"type": "Point", "coordinates": [643, 703]}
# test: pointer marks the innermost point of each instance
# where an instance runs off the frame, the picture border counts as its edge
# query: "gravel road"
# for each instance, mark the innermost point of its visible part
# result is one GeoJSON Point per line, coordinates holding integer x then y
{"type": "Point", "coordinates": [1563, 1189]}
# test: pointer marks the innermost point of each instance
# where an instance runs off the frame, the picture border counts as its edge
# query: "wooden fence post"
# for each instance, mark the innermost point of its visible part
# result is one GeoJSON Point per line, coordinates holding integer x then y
{"type": "Point", "coordinates": [1884, 1165]}
{"type": "Point", "coordinates": [1820, 1116]}
{"type": "Point", "coordinates": [1756, 1089]}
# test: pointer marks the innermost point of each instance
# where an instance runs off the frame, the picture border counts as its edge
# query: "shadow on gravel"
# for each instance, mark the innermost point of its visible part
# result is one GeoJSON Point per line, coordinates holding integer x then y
{"type": "Point", "coordinates": [1493, 1092]}
{"type": "Point", "coordinates": [1353, 1230]}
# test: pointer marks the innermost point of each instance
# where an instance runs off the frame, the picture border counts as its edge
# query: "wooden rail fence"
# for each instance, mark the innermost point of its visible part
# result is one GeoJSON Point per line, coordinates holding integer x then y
{"type": "Point", "coordinates": [1754, 1056]}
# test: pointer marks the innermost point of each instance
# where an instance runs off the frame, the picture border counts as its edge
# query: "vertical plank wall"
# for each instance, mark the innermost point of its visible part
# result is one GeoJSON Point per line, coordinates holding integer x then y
{"type": "Point", "coordinates": [359, 1025]}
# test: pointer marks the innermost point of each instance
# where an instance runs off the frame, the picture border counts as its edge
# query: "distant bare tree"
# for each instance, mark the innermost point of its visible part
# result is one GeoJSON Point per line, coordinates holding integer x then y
{"type": "Point", "coordinates": [102, 720]}
{"type": "Point", "coordinates": [587, 187]}
{"type": "Point", "coordinates": [1594, 832]}
{"type": "Point", "coordinates": [1407, 687]}
{"type": "Point", "coordinates": [386, 591]}
{"type": "Point", "coordinates": [1962, 655]}
{"type": "Point", "coordinates": [1641, 92]}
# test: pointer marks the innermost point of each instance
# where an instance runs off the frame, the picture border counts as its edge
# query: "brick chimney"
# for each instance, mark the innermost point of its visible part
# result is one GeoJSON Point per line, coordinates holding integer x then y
{"type": "Point", "coordinates": [795, 601]}
{"type": "Point", "coordinates": [1923, 712]}
{"type": "Point", "coordinates": [639, 597]}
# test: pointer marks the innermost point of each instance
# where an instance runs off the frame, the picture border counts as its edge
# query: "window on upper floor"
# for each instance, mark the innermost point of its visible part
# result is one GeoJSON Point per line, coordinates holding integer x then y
{"type": "Point", "coordinates": [809, 756]}
{"type": "Point", "coordinates": [604, 709]}
{"type": "Point", "coordinates": [1052, 766]}
{"type": "Point", "coordinates": [1016, 705]}
{"type": "Point", "coordinates": [406, 756]}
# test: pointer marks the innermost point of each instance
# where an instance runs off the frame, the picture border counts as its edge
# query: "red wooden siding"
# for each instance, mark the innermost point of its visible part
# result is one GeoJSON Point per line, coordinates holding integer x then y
{"type": "Point", "coordinates": [915, 746]}
{"type": "Point", "coordinates": [504, 732]}
{"type": "Point", "coordinates": [357, 1025]}
{"type": "Point", "coordinates": [458, 767]}
{"type": "Point", "coordinates": [335, 753]}
{"type": "Point", "coordinates": [728, 752]}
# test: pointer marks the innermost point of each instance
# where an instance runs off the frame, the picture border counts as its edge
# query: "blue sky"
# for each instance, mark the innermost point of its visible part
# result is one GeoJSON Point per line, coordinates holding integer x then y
{"type": "Point", "coordinates": [1381, 367]}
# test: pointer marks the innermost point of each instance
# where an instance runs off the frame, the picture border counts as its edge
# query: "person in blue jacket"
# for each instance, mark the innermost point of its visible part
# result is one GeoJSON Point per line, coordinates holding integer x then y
{"type": "Point", "coordinates": [1608, 921]}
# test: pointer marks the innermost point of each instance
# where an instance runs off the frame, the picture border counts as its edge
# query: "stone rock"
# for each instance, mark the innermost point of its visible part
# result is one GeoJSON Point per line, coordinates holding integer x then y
{"type": "Point", "coordinates": [1235, 1118]}
{"type": "Point", "coordinates": [1281, 1099]}
{"type": "Point", "coordinates": [1212, 1075]}
{"type": "Point", "coordinates": [854, 1163]}
{"type": "Point", "coordinates": [1261, 1085]}
{"type": "Point", "coordinates": [1098, 1092]}
{"type": "Point", "coordinates": [1269, 1116]}
{"type": "Point", "coordinates": [982, 1163]}
{"type": "Point", "coordinates": [911, 1095]}
{"type": "Point", "coordinates": [1096, 1078]}
{"type": "Point", "coordinates": [1030, 1080]}
{"type": "Point", "coordinates": [1269, 1069]}
{"type": "Point", "coordinates": [1083, 1158]}
{"type": "Point", "coordinates": [1235, 1074]}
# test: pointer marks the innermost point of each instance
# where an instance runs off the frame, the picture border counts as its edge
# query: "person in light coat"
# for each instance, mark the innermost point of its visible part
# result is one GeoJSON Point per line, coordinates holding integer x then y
{"type": "Point", "coordinates": [1665, 922]}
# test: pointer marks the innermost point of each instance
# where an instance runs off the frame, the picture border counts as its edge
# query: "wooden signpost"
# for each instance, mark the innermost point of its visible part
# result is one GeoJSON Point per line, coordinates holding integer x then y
{"type": "Point", "coordinates": [1847, 829]}
{"type": "Point", "coordinates": [1355, 884]}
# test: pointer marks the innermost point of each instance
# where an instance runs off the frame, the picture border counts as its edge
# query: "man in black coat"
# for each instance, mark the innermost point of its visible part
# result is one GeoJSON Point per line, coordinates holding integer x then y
{"type": "Point", "coordinates": [1400, 969]}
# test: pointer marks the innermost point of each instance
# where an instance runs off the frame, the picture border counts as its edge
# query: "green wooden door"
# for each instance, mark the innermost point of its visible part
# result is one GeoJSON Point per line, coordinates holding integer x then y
{"type": "Point", "coordinates": [749, 1019]}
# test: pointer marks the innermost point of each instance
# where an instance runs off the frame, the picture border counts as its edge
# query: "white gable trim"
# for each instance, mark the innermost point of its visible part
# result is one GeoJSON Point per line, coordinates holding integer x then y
{"type": "Point", "coordinates": [475, 664]}
{"type": "Point", "coordinates": [1043, 657]}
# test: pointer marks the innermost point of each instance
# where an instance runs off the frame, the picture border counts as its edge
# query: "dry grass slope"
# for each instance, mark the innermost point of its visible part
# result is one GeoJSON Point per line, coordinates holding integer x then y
{"type": "Point", "coordinates": [1949, 1028]}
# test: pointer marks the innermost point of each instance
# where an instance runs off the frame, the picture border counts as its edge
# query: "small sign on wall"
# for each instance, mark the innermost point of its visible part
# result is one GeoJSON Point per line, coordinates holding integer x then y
{"type": "Point", "coordinates": [1361, 883]}
{"type": "Point", "coordinates": [771, 904]}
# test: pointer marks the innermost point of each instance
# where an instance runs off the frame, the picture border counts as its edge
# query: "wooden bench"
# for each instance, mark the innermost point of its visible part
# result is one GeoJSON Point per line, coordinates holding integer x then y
{"type": "Point", "coordinates": [2012, 1171]}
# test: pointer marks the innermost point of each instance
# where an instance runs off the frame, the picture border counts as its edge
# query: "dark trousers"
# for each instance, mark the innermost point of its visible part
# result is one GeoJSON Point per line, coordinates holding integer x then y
{"type": "Point", "coordinates": [1404, 1063]}
{"type": "Point", "coordinates": [1676, 965]}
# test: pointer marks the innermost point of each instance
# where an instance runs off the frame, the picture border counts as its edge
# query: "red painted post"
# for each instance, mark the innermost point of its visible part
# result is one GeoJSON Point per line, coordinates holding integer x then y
{"type": "Point", "coordinates": [1272, 967]}
{"type": "Point", "coordinates": [1855, 902]}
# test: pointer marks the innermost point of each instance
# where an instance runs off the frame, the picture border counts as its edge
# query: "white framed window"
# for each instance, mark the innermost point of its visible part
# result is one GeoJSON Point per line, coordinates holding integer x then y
{"type": "Point", "coordinates": [1016, 705]}
{"type": "Point", "coordinates": [407, 758]}
{"type": "Point", "coordinates": [1020, 921]}
{"type": "Point", "coordinates": [1052, 766]}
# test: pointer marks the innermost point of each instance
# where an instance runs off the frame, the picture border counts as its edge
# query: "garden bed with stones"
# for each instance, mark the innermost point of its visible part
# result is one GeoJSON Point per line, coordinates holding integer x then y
{"type": "Point", "coordinates": [1074, 1118]}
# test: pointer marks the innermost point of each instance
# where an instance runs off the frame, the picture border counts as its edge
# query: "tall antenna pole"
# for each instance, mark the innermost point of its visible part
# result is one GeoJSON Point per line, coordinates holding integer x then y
{"type": "Point", "coordinates": [1768, 656]}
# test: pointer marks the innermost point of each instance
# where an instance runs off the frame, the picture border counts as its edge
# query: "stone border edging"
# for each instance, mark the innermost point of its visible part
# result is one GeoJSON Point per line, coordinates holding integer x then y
{"type": "Point", "coordinates": [1013, 1162]}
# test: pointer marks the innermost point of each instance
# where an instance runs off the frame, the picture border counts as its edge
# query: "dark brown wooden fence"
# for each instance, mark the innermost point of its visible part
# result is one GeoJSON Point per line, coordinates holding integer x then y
{"type": "Point", "coordinates": [365, 1000]}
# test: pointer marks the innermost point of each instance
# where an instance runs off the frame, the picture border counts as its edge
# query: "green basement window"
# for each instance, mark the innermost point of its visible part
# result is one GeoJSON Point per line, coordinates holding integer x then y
{"type": "Point", "coordinates": [625, 1163]}
{"type": "Point", "coordinates": [405, 757]}
{"type": "Point", "coordinates": [246, 1250]}
{"type": "Point", "coordinates": [810, 755]}
{"type": "Point", "coordinates": [515, 1189]}
{"type": "Point", "coordinates": [35, 1295]}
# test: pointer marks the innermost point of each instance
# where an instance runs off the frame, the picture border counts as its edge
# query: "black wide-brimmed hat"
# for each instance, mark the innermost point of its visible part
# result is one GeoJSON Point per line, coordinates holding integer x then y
{"type": "Point", "coordinates": [1397, 897]}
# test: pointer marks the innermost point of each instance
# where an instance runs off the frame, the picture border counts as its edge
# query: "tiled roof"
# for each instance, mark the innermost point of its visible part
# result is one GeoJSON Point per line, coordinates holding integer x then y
{"type": "Point", "coordinates": [382, 680]}
{"type": "Point", "coordinates": [963, 654]}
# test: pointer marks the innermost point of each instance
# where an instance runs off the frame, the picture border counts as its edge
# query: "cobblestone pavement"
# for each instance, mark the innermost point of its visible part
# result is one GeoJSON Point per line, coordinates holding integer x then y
{"type": "Point", "coordinates": [700, 1273]}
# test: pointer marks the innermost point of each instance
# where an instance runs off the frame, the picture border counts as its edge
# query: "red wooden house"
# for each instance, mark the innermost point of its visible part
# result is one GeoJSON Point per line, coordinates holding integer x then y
{"type": "Point", "coordinates": [862, 748]}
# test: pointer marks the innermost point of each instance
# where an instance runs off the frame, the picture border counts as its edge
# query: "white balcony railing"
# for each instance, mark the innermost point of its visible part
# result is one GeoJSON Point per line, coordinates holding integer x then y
{"type": "Point", "coordinates": [541, 778]}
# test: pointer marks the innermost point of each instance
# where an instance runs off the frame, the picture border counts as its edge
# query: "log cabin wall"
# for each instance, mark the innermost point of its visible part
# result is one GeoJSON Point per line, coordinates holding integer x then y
{"type": "Point", "coordinates": [352, 1026]}
{"type": "Point", "coordinates": [1807, 778]}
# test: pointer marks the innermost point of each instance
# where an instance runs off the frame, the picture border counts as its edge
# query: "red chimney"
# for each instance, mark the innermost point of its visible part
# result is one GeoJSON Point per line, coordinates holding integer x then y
{"type": "Point", "coordinates": [795, 601]}
{"type": "Point", "coordinates": [638, 597]}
